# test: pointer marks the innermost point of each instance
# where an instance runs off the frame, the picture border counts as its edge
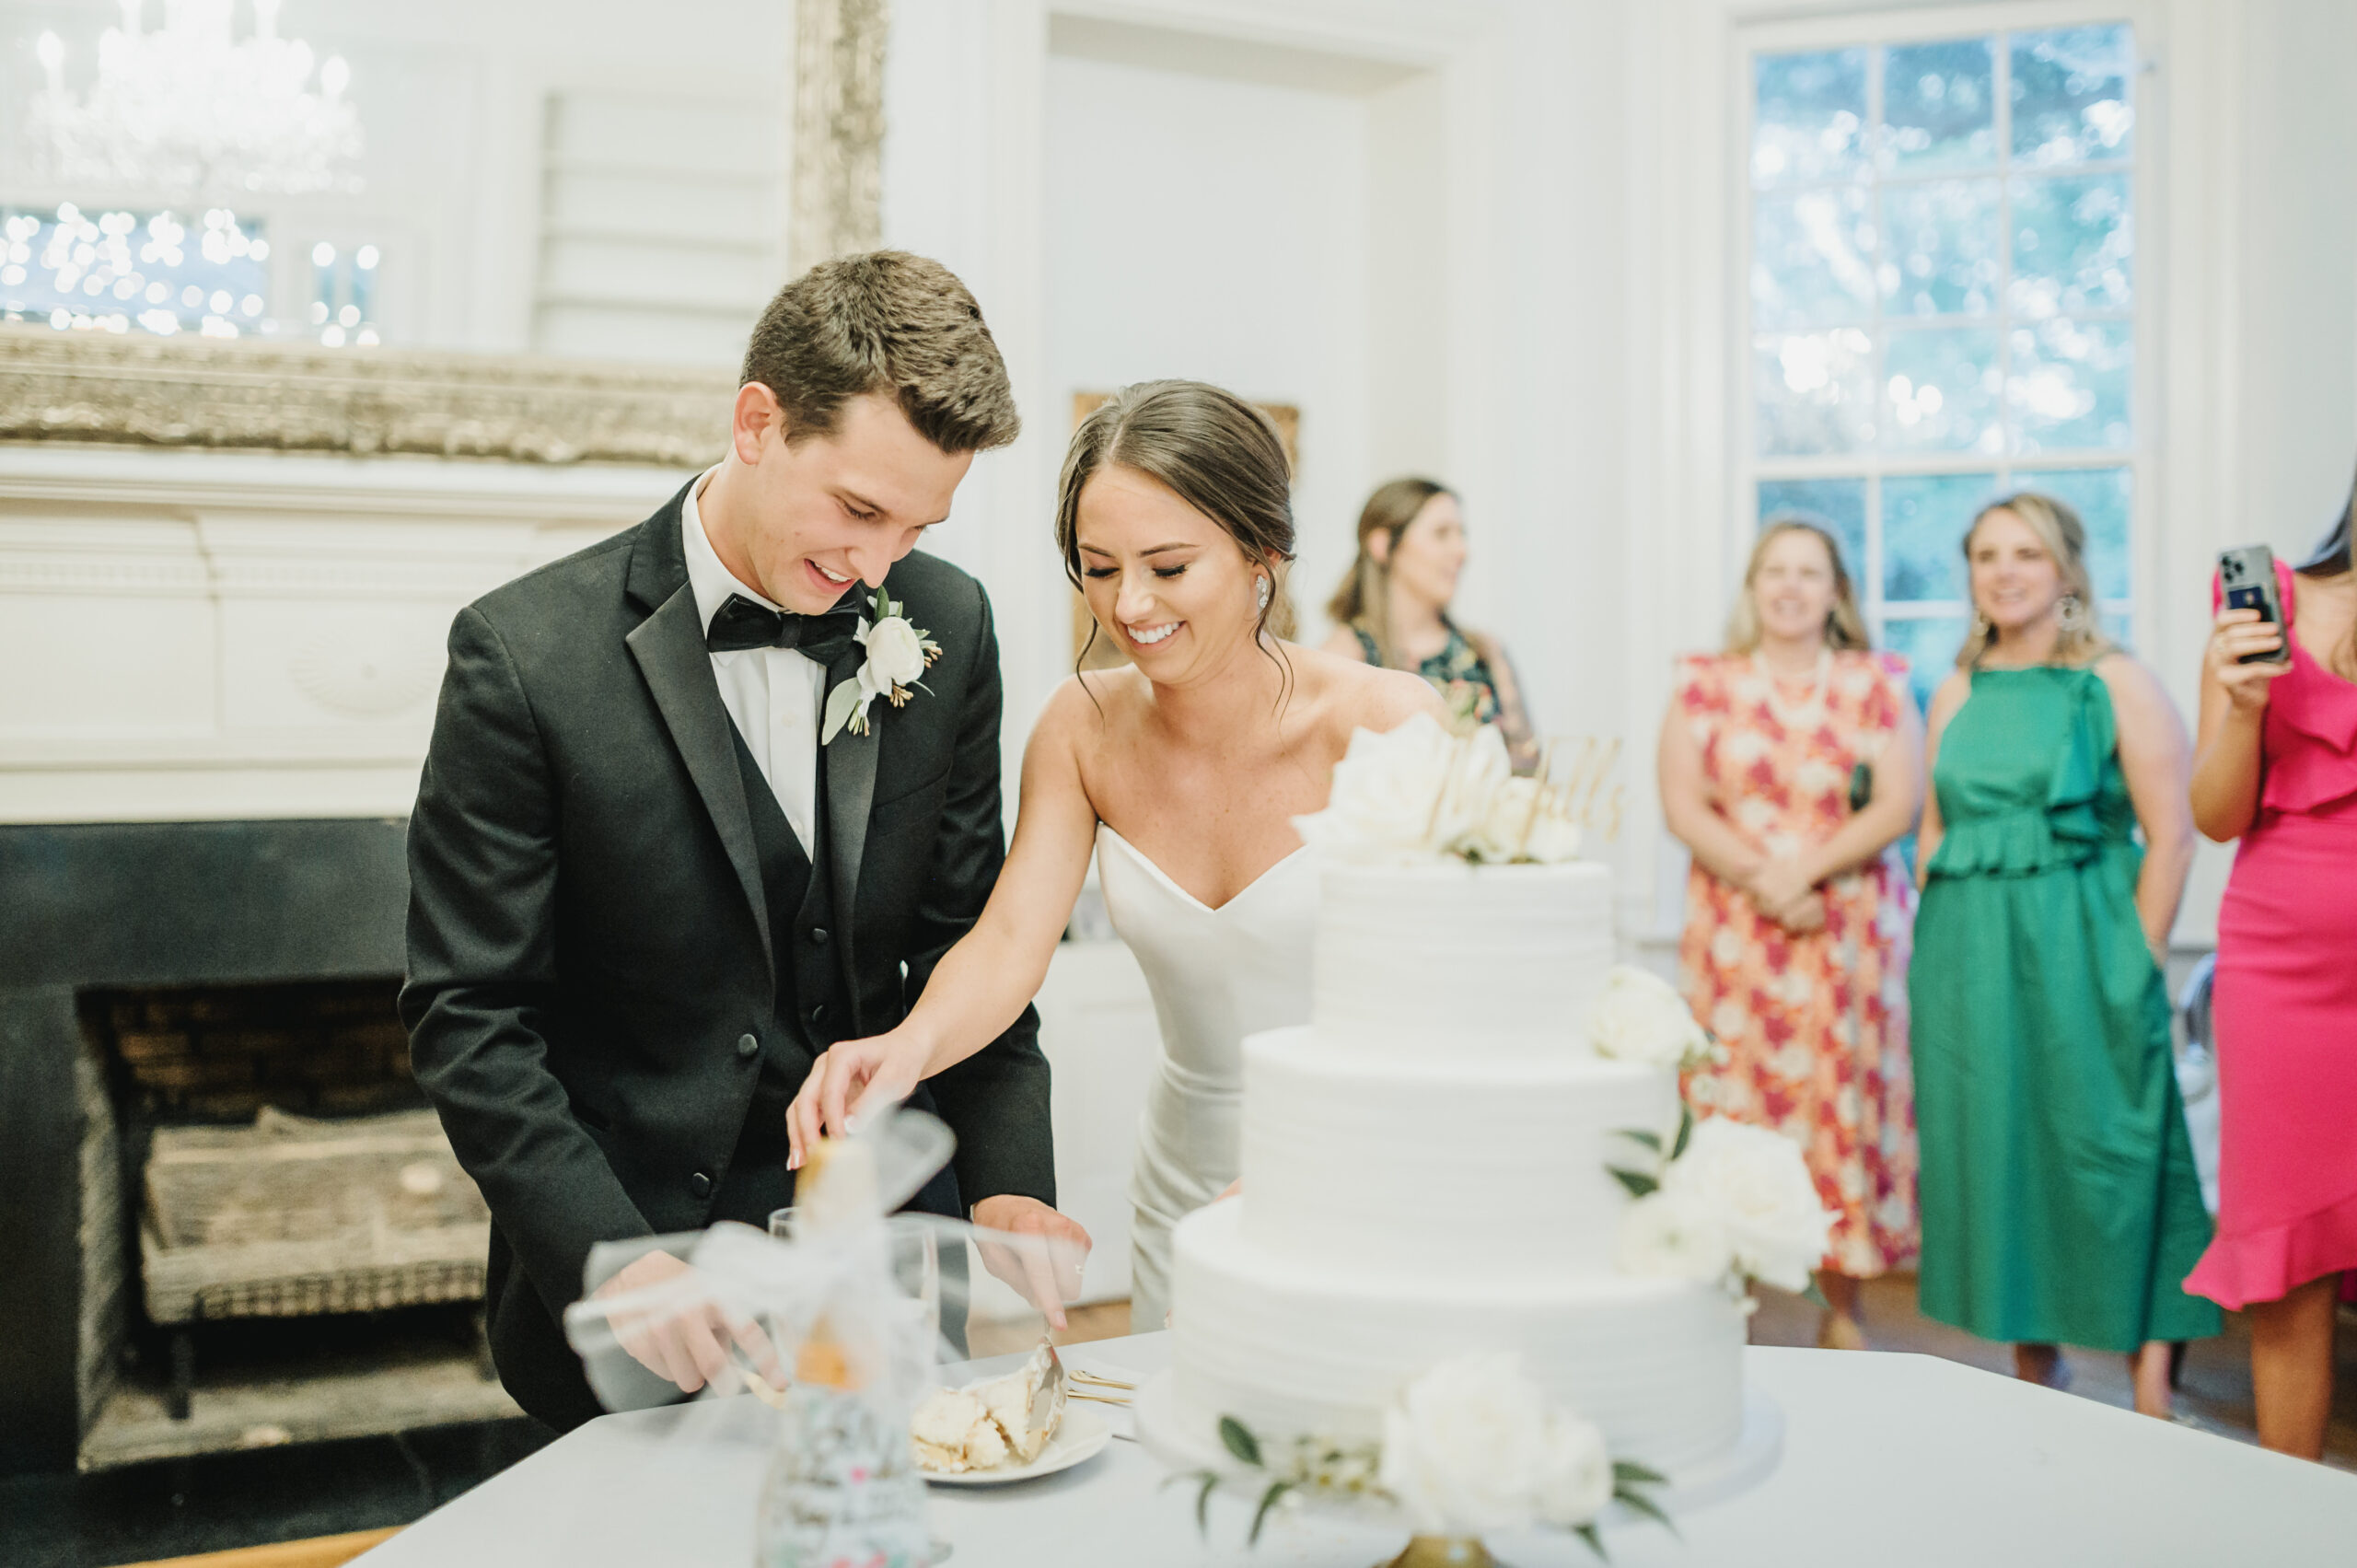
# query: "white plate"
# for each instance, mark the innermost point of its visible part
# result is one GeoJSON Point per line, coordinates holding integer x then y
{"type": "Point", "coordinates": [1082, 1435]}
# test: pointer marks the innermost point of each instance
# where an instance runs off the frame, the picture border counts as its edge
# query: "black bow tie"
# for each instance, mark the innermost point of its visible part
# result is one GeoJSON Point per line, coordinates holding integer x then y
{"type": "Point", "coordinates": [740, 623]}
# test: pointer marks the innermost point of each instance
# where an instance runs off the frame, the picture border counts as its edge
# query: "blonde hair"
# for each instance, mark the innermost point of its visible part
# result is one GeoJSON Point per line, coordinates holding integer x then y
{"type": "Point", "coordinates": [1844, 627]}
{"type": "Point", "coordinates": [2057, 526]}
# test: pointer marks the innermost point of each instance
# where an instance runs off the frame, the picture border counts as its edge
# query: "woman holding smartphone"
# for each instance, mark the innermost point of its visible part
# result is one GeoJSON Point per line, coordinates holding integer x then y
{"type": "Point", "coordinates": [2275, 765]}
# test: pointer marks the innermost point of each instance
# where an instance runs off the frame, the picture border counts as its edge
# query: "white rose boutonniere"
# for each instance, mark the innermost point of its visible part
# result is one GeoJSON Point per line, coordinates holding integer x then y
{"type": "Point", "coordinates": [897, 653]}
{"type": "Point", "coordinates": [1640, 1017]}
{"type": "Point", "coordinates": [1757, 1184]}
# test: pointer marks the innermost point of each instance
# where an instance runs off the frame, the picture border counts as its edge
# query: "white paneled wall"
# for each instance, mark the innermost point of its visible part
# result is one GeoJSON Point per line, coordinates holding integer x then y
{"type": "Point", "coordinates": [662, 234]}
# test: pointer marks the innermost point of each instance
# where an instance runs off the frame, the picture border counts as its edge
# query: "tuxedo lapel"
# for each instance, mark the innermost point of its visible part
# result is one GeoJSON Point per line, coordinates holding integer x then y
{"type": "Point", "coordinates": [848, 763]}
{"type": "Point", "coordinates": [669, 649]}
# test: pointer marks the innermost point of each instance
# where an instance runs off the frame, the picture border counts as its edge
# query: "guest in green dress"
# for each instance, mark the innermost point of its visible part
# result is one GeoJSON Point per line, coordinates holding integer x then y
{"type": "Point", "coordinates": [1392, 610]}
{"type": "Point", "coordinates": [2058, 1193]}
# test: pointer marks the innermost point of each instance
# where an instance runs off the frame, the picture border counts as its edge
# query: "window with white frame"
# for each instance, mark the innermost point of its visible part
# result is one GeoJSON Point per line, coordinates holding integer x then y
{"type": "Point", "coordinates": [1942, 297]}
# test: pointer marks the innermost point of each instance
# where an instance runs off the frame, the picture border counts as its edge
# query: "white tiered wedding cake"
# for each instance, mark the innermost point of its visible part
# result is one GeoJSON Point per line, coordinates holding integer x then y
{"type": "Point", "coordinates": [1439, 1164]}
{"type": "Point", "coordinates": [1427, 1171]}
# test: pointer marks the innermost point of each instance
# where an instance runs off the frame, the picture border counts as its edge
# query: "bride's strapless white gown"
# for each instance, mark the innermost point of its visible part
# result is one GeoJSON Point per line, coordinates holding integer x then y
{"type": "Point", "coordinates": [1216, 975]}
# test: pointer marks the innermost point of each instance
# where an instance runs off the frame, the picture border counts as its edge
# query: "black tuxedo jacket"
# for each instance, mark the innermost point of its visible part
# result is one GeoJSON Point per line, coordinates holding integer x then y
{"type": "Point", "coordinates": [593, 981]}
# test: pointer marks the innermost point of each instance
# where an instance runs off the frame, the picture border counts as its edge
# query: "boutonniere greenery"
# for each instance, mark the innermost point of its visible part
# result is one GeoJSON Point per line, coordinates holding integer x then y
{"type": "Point", "coordinates": [897, 653]}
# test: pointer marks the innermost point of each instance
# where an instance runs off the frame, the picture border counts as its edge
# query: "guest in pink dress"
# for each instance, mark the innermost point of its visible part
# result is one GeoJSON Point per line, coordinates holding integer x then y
{"type": "Point", "coordinates": [2276, 766]}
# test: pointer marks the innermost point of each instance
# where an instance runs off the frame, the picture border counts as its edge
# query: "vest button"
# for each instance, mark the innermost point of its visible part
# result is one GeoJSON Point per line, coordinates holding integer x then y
{"type": "Point", "coordinates": [699, 1184]}
{"type": "Point", "coordinates": [818, 935]}
{"type": "Point", "coordinates": [748, 1047]}
{"type": "Point", "coordinates": [818, 1014]}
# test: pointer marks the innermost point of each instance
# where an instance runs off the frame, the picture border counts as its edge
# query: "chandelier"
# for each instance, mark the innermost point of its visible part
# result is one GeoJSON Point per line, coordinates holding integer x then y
{"type": "Point", "coordinates": [188, 108]}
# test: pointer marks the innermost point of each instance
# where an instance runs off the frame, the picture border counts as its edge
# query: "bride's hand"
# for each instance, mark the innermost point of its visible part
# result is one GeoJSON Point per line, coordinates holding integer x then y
{"type": "Point", "coordinates": [850, 1078]}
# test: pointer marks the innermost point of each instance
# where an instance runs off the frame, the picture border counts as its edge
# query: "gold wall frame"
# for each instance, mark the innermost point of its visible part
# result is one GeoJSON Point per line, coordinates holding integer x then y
{"type": "Point", "coordinates": [137, 390]}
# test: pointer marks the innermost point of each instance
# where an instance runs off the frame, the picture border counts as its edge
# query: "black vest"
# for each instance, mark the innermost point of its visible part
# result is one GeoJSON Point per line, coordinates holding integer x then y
{"type": "Point", "coordinates": [809, 1014]}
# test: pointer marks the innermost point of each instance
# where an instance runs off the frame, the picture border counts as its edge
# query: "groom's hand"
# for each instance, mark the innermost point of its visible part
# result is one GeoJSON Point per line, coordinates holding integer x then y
{"type": "Point", "coordinates": [851, 1079]}
{"type": "Point", "coordinates": [687, 1340]}
{"type": "Point", "coordinates": [1048, 1270]}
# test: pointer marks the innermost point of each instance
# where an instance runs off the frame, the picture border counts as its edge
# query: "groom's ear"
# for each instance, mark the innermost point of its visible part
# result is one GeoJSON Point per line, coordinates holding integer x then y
{"type": "Point", "coordinates": [757, 420]}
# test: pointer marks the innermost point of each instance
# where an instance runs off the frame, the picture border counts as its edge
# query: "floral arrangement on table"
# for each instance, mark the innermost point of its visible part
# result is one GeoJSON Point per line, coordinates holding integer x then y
{"type": "Point", "coordinates": [1469, 1447]}
{"type": "Point", "coordinates": [1417, 792]}
{"type": "Point", "coordinates": [1719, 1200]}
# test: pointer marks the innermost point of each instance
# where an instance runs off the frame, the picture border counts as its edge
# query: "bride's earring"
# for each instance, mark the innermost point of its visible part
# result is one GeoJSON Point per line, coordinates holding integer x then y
{"type": "Point", "coordinates": [1979, 624]}
{"type": "Point", "coordinates": [2072, 615]}
{"type": "Point", "coordinates": [1263, 592]}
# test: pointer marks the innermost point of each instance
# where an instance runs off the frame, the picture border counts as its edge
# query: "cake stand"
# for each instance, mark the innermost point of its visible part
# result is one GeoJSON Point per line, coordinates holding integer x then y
{"type": "Point", "coordinates": [1748, 1461]}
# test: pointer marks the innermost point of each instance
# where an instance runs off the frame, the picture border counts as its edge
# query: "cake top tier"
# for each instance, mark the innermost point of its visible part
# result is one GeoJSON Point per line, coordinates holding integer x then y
{"type": "Point", "coordinates": [1469, 959]}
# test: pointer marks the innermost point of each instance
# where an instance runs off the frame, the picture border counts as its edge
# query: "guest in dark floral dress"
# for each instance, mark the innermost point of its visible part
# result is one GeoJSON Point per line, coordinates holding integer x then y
{"type": "Point", "coordinates": [1392, 609]}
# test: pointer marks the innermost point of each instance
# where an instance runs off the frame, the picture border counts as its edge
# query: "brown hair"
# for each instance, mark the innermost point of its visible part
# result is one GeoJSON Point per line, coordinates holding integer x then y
{"type": "Point", "coordinates": [1217, 451]}
{"type": "Point", "coordinates": [1362, 601]}
{"type": "Point", "coordinates": [2058, 527]}
{"type": "Point", "coordinates": [1844, 627]}
{"type": "Point", "coordinates": [884, 322]}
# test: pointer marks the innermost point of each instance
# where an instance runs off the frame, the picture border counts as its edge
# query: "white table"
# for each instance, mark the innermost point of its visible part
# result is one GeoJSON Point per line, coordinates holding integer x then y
{"type": "Point", "coordinates": [1888, 1461]}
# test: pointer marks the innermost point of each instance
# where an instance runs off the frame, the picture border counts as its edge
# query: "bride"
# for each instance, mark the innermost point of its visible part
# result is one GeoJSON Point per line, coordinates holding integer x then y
{"type": "Point", "coordinates": [1183, 772]}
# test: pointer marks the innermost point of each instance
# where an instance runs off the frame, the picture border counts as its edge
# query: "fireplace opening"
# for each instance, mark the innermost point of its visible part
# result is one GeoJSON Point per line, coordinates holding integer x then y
{"type": "Point", "coordinates": [278, 1244]}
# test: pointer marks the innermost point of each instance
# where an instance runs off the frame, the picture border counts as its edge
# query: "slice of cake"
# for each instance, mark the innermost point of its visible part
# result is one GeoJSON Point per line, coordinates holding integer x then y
{"type": "Point", "coordinates": [1010, 1418]}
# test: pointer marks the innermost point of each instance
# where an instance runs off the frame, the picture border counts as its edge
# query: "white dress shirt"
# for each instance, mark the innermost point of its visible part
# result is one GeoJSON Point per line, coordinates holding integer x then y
{"type": "Point", "coordinates": [772, 694]}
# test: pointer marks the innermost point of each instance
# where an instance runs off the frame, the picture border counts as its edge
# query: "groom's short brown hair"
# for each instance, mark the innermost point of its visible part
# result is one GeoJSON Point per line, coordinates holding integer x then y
{"type": "Point", "coordinates": [884, 322]}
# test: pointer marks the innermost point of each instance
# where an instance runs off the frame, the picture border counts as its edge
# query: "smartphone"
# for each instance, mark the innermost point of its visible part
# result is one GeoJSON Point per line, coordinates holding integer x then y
{"type": "Point", "coordinates": [2247, 575]}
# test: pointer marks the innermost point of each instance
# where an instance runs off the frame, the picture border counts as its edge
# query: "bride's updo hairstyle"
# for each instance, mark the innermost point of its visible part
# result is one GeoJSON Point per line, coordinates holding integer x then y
{"type": "Point", "coordinates": [1219, 453]}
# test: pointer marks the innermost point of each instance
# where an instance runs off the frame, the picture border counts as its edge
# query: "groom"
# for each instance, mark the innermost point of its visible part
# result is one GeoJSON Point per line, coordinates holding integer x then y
{"type": "Point", "coordinates": [649, 884]}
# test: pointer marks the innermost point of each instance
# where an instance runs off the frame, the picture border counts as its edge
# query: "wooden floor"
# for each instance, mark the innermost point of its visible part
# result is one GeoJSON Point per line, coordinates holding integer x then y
{"type": "Point", "coordinates": [319, 1552]}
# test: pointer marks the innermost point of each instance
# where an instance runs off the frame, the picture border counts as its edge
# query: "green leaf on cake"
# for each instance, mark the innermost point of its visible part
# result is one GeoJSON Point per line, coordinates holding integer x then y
{"type": "Point", "coordinates": [1815, 1295]}
{"type": "Point", "coordinates": [1685, 1130]}
{"type": "Point", "coordinates": [1639, 1183]}
{"type": "Point", "coordinates": [1240, 1440]}
{"type": "Point", "coordinates": [1637, 1501]}
{"type": "Point", "coordinates": [1203, 1504]}
{"type": "Point", "coordinates": [1594, 1542]}
{"type": "Point", "coordinates": [1626, 1472]}
{"type": "Point", "coordinates": [1269, 1499]}
{"type": "Point", "coordinates": [1640, 1135]}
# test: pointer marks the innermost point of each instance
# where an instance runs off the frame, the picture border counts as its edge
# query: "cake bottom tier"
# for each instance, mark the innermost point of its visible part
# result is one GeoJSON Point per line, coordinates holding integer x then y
{"type": "Point", "coordinates": [1290, 1350]}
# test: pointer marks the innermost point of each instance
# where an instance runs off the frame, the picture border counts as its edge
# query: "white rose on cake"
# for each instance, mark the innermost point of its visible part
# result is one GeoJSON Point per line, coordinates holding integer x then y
{"type": "Point", "coordinates": [1523, 823]}
{"type": "Point", "coordinates": [1640, 1017]}
{"type": "Point", "coordinates": [1673, 1236]}
{"type": "Point", "coordinates": [1575, 1479]}
{"type": "Point", "coordinates": [1757, 1186]}
{"type": "Point", "coordinates": [1464, 1448]}
{"type": "Point", "coordinates": [1414, 791]}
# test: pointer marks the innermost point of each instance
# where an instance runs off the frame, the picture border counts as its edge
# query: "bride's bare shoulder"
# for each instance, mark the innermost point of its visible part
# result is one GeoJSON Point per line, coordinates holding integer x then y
{"type": "Point", "coordinates": [1083, 705]}
{"type": "Point", "coordinates": [1351, 694]}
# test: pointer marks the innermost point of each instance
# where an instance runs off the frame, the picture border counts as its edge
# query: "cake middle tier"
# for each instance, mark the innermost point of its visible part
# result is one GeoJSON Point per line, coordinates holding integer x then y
{"type": "Point", "coordinates": [1494, 1172]}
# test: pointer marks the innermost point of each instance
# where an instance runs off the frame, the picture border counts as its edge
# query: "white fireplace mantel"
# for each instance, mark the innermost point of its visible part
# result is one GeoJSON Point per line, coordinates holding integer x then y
{"type": "Point", "coordinates": [190, 634]}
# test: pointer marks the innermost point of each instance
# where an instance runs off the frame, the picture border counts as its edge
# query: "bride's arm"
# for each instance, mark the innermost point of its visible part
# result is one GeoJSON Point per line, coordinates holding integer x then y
{"type": "Point", "coordinates": [982, 984]}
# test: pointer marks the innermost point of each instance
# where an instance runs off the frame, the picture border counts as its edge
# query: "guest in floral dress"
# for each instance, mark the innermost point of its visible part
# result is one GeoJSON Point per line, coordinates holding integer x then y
{"type": "Point", "coordinates": [1392, 609]}
{"type": "Point", "coordinates": [1788, 765]}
